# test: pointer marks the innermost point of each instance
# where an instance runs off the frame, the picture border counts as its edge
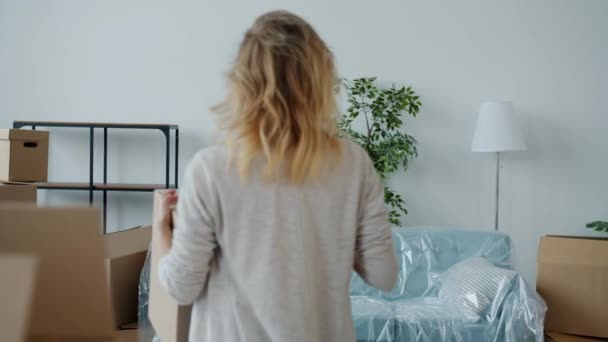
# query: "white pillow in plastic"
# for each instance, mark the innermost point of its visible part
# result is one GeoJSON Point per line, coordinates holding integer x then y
{"type": "Point", "coordinates": [474, 283]}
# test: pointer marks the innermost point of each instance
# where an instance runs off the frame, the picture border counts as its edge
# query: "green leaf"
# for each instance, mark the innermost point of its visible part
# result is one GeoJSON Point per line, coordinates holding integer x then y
{"type": "Point", "coordinates": [599, 226]}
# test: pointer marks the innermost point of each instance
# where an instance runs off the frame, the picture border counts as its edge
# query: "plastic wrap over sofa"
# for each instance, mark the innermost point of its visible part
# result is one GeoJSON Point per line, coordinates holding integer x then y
{"type": "Point", "coordinates": [419, 308]}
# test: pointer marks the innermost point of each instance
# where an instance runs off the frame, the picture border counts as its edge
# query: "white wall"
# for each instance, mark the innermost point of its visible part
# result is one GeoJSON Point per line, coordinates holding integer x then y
{"type": "Point", "coordinates": [163, 61]}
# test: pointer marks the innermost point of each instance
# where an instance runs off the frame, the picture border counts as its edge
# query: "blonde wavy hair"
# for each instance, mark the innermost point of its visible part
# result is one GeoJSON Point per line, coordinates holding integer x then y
{"type": "Point", "coordinates": [281, 101]}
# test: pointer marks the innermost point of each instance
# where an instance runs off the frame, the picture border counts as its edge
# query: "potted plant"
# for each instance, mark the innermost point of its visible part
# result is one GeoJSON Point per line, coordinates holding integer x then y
{"type": "Point", "coordinates": [382, 110]}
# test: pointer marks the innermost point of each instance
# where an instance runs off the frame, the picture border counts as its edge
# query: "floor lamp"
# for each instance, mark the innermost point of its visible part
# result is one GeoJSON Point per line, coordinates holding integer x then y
{"type": "Point", "coordinates": [497, 131]}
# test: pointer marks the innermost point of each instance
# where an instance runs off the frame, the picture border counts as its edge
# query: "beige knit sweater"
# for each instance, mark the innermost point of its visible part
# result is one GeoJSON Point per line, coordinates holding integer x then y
{"type": "Point", "coordinates": [272, 261]}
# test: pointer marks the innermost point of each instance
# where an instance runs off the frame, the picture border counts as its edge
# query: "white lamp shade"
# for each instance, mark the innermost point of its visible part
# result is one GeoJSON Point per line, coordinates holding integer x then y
{"type": "Point", "coordinates": [497, 129]}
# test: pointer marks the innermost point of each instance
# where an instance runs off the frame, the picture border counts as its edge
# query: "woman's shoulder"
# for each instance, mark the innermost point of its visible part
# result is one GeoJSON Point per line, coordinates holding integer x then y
{"type": "Point", "coordinates": [352, 146]}
{"type": "Point", "coordinates": [353, 152]}
{"type": "Point", "coordinates": [212, 152]}
{"type": "Point", "coordinates": [209, 158]}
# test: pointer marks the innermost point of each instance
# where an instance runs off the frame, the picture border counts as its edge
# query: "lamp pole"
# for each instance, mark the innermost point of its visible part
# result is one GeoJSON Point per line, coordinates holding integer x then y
{"type": "Point", "coordinates": [497, 191]}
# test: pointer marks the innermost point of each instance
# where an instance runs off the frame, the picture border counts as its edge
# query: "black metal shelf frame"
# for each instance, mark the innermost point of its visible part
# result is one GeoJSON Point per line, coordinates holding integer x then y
{"type": "Point", "coordinates": [165, 129]}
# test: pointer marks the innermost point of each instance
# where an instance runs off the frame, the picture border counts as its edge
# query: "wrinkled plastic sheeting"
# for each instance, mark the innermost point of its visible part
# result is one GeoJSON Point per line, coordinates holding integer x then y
{"type": "Point", "coordinates": [413, 312]}
{"type": "Point", "coordinates": [425, 253]}
{"type": "Point", "coordinates": [522, 308]}
{"type": "Point", "coordinates": [146, 331]}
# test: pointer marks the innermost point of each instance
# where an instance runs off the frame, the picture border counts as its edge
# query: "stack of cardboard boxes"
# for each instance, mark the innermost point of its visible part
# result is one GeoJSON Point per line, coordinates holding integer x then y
{"type": "Point", "coordinates": [23, 158]}
{"type": "Point", "coordinates": [573, 280]}
{"type": "Point", "coordinates": [67, 280]}
{"type": "Point", "coordinates": [18, 270]}
{"type": "Point", "coordinates": [61, 278]}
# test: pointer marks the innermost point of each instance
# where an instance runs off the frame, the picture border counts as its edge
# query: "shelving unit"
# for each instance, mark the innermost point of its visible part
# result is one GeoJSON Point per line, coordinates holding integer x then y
{"type": "Point", "coordinates": [104, 186]}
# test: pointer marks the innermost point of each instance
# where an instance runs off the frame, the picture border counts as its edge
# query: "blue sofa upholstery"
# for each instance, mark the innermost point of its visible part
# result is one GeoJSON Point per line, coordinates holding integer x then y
{"type": "Point", "coordinates": [413, 312]}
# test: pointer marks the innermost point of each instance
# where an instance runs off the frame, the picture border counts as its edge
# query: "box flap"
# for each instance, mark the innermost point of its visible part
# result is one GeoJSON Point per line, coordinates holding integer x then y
{"type": "Point", "coordinates": [130, 326]}
{"type": "Point", "coordinates": [557, 337]}
{"type": "Point", "coordinates": [15, 295]}
{"type": "Point", "coordinates": [70, 295]}
{"type": "Point", "coordinates": [123, 279]}
{"type": "Point", "coordinates": [573, 250]}
{"type": "Point", "coordinates": [126, 252]}
{"type": "Point", "coordinates": [128, 241]}
{"type": "Point", "coordinates": [580, 237]}
{"type": "Point", "coordinates": [130, 335]}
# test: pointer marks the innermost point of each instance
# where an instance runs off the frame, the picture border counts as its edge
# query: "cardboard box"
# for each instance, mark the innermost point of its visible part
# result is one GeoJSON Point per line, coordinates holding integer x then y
{"type": "Point", "coordinates": [24, 155]}
{"type": "Point", "coordinates": [573, 280]}
{"type": "Point", "coordinates": [557, 337]}
{"type": "Point", "coordinates": [125, 253]}
{"type": "Point", "coordinates": [14, 192]}
{"type": "Point", "coordinates": [71, 297]}
{"type": "Point", "coordinates": [129, 335]}
{"type": "Point", "coordinates": [15, 295]}
{"type": "Point", "coordinates": [170, 320]}
{"type": "Point", "coordinates": [78, 286]}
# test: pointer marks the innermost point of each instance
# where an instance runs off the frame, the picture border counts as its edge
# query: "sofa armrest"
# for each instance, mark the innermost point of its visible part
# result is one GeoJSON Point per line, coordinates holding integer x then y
{"type": "Point", "coordinates": [518, 314]}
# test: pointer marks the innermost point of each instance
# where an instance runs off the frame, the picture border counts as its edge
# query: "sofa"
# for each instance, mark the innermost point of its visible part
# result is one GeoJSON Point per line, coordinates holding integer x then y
{"type": "Point", "coordinates": [430, 301]}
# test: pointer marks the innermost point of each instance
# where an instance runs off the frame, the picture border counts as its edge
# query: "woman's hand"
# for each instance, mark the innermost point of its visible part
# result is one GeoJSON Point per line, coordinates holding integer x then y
{"type": "Point", "coordinates": [162, 225]}
{"type": "Point", "coordinates": [163, 206]}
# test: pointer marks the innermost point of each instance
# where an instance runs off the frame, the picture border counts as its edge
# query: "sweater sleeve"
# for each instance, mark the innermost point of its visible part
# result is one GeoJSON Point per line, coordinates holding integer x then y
{"type": "Point", "coordinates": [375, 259]}
{"type": "Point", "coordinates": [183, 272]}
